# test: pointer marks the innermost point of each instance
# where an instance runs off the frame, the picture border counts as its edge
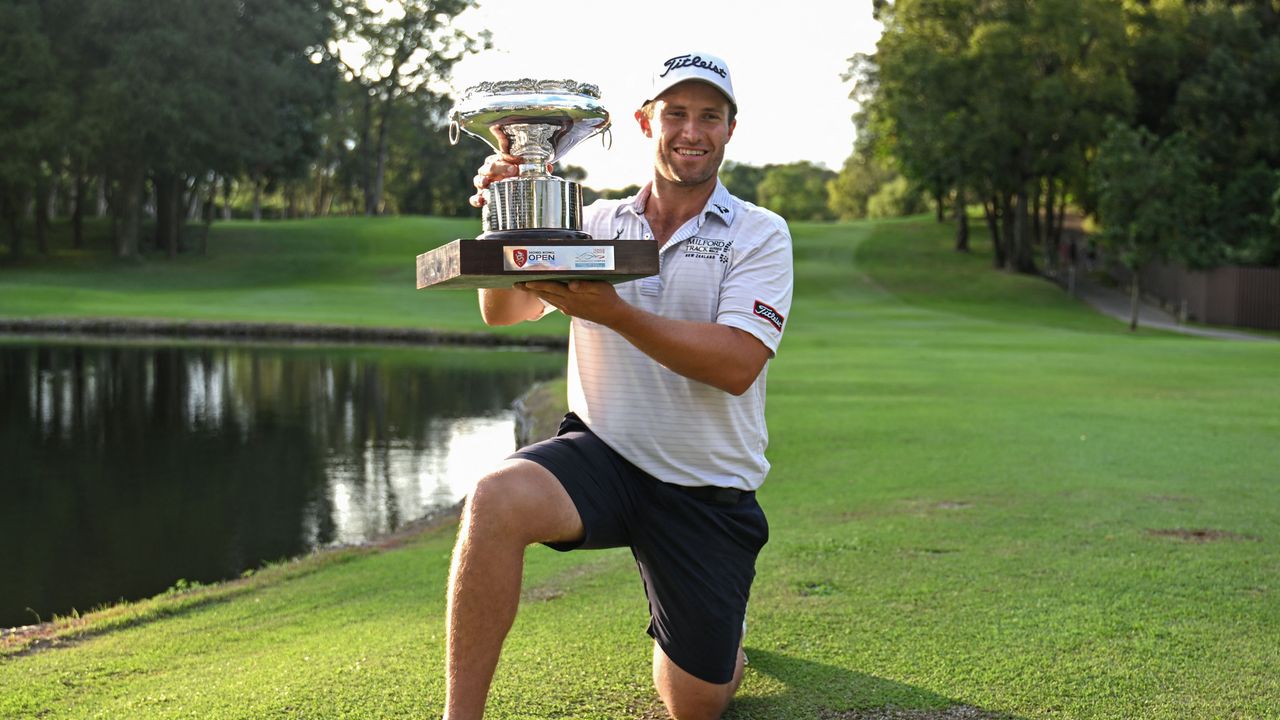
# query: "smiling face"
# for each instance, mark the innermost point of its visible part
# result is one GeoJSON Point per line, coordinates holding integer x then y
{"type": "Point", "coordinates": [690, 124]}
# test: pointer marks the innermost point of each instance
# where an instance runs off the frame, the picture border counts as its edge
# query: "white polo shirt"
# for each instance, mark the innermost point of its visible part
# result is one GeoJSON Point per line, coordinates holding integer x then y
{"type": "Point", "coordinates": [731, 264]}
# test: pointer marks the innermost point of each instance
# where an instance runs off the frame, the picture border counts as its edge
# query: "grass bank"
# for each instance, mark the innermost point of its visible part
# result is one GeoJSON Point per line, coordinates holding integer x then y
{"type": "Point", "coordinates": [984, 495]}
{"type": "Point", "coordinates": [333, 271]}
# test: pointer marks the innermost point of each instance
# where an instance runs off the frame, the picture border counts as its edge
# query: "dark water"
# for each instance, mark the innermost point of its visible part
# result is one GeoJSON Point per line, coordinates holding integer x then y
{"type": "Point", "coordinates": [126, 468]}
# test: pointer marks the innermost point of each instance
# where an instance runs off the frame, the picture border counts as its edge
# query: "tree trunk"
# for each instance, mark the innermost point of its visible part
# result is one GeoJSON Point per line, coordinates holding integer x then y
{"type": "Point", "coordinates": [1036, 226]}
{"type": "Point", "coordinates": [962, 222]}
{"type": "Point", "coordinates": [939, 202]}
{"type": "Point", "coordinates": [1009, 229]}
{"type": "Point", "coordinates": [192, 203]}
{"type": "Point", "coordinates": [366, 164]}
{"type": "Point", "coordinates": [1062, 218]}
{"type": "Point", "coordinates": [1048, 238]}
{"type": "Point", "coordinates": [226, 197]}
{"type": "Point", "coordinates": [322, 194]}
{"type": "Point", "coordinates": [54, 205]}
{"type": "Point", "coordinates": [381, 168]}
{"type": "Point", "coordinates": [1135, 299]}
{"type": "Point", "coordinates": [991, 209]}
{"type": "Point", "coordinates": [257, 197]}
{"type": "Point", "coordinates": [174, 233]}
{"type": "Point", "coordinates": [207, 216]}
{"type": "Point", "coordinates": [9, 208]}
{"type": "Point", "coordinates": [77, 209]}
{"type": "Point", "coordinates": [101, 210]}
{"type": "Point", "coordinates": [129, 213]}
{"type": "Point", "coordinates": [42, 214]}
{"type": "Point", "coordinates": [1022, 258]}
{"type": "Point", "coordinates": [166, 186]}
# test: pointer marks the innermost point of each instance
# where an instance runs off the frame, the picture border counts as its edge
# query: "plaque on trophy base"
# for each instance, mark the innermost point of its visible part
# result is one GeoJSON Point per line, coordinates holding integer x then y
{"type": "Point", "coordinates": [532, 222]}
{"type": "Point", "coordinates": [487, 263]}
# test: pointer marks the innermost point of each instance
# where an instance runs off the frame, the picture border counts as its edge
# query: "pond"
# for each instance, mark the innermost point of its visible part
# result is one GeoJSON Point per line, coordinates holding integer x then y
{"type": "Point", "coordinates": [125, 468]}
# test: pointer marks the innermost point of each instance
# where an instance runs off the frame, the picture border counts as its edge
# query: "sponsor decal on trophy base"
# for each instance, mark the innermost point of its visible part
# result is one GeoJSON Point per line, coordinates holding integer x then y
{"type": "Point", "coordinates": [566, 257]}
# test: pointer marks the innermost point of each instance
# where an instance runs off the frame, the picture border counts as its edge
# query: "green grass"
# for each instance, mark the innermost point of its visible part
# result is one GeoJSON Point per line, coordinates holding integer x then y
{"type": "Point", "coordinates": [345, 271]}
{"type": "Point", "coordinates": [971, 471]}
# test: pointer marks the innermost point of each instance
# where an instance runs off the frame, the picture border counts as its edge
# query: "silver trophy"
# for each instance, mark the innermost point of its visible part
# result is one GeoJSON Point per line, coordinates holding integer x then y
{"type": "Point", "coordinates": [537, 121]}
{"type": "Point", "coordinates": [532, 223]}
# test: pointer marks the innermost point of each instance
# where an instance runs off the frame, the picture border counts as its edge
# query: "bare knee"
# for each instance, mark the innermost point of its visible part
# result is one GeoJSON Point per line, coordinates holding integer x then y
{"type": "Point", "coordinates": [687, 697]}
{"type": "Point", "coordinates": [522, 502]}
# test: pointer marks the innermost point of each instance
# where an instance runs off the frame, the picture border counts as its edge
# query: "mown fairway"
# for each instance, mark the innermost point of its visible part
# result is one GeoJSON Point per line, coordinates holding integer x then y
{"type": "Point", "coordinates": [983, 495]}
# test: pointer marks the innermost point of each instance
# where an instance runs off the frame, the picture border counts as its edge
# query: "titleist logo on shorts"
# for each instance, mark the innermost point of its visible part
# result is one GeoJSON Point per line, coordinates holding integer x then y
{"type": "Point", "coordinates": [770, 314]}
{"type": "Point", "coordinates": [681, 61]}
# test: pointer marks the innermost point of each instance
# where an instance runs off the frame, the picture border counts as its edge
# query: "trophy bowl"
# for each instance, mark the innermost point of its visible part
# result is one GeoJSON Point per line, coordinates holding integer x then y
{"type": "Point", "coordinates": [532, 223]}
{"type": "Point", "coordinates": [537, 121]}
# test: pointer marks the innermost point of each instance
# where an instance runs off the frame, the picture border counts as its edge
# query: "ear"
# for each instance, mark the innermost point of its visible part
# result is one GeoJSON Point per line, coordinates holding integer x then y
{"type": "Point", "coordinates": [732, 125]}
{"type": "Point", "coordinates": [645, 126]}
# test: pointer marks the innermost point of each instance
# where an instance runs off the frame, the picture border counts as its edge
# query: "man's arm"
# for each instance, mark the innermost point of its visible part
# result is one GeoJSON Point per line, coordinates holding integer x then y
{"type": "Point", "coordinates": [718, 355]}
{"type": "Point", "coordinates": [508, 307]}
{"type": "Point", "coordinates": [502, 306]}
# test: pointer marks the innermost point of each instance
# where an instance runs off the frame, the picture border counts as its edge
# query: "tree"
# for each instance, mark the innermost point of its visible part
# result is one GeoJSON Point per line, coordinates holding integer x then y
{"type": "Point", "coordinates": [69, 37]}
{"type": "Point", "coordinates": [406, 46]}
{"type": "Point", "coordinates": [796, 191]}
{"type": "Point", "coordinates": [427, 174]}
{"type": "Point", "coordinates": [189, 88]}
{"type": "Point", "coordinates": [1226, 105]}
{"type": "Point", "coordinates": [1003, 98]}
{"type": "Point", "coordinates": [1150, 199]}
{"type": "Point", "coordinates": [741, 179]}
{"type": "Point", "coordinates": [859, 179]}
{"type": "Point", "coordinates": [280, 45]}
{"type": "Point", "coordinates": [896, 198]}
{"type": "Point", "coordinates": [29, 111]}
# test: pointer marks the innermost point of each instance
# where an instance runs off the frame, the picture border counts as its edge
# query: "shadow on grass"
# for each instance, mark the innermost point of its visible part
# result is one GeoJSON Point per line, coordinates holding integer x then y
{"type": "Point", "coordinates": [826, 692]}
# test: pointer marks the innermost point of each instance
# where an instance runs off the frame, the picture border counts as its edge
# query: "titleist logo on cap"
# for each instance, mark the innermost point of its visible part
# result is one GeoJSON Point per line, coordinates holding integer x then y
{"type": "Point", "coordinates": [682, 61]}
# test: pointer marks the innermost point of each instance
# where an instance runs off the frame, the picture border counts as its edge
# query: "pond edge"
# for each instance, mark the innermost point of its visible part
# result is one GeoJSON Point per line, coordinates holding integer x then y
{"type": "Point", "coordinates": [254, 331]}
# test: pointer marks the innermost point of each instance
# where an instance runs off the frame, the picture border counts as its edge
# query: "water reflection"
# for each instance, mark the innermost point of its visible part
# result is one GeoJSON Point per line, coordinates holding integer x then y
{"type": "Point", "coordinates": [125, 468]}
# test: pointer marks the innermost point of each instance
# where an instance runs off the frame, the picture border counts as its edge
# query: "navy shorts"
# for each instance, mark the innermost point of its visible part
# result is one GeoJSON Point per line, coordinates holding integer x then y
{"type": "Point", "coordinates": [696, 551]}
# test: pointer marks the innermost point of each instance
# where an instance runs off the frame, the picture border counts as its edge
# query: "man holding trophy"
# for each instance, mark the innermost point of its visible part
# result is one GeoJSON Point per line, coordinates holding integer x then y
{"type": "Point", "coordinates": [664, 446]}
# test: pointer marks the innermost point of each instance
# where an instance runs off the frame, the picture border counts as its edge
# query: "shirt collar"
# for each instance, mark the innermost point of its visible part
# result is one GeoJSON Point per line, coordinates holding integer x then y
{"type": "Point", "coordinates": [720, 205]}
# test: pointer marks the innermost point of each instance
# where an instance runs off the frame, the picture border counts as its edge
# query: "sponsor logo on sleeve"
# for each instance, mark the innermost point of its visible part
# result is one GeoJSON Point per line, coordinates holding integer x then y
{"type": "Point", "coordinates": [768, 313]}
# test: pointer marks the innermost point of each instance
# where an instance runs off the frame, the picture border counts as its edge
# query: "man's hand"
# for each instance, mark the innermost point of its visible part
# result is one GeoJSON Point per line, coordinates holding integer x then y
{"type": "Point", "coordinates": [495, 168]}
{"type": "Point", "coordinates": [594, 300]}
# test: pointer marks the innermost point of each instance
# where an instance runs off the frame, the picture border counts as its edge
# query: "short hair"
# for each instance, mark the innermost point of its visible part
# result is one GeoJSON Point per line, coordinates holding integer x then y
{"type": "Point", "coordinates": [647, 110]}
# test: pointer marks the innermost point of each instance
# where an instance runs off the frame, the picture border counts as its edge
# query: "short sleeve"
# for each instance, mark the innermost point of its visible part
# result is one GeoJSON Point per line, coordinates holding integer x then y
{"type": "Point", "coordinates": [755, 295]}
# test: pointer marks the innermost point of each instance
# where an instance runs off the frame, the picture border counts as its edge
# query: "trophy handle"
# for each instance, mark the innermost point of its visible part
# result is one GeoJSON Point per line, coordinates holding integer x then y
{"type": "Point", "coordinates": [455, 132]}
{"type": "Point", "coordinates": [606, 137]}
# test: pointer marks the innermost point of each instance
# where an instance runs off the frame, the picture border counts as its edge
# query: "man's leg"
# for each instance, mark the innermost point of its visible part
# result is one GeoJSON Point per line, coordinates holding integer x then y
{"type": "Point", "coordinates": [520, 504]}
{"type": "Point", "coordinates": [687, 697]}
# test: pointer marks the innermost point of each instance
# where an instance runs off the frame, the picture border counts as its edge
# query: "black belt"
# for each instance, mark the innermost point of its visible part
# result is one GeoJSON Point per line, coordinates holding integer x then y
{"type": "Point", "coordinates": [711, 493]}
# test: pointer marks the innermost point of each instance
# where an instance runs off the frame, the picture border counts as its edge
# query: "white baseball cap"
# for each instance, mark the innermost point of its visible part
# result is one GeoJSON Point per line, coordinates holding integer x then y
{"type": "Point", "coordinates": [699, 66]}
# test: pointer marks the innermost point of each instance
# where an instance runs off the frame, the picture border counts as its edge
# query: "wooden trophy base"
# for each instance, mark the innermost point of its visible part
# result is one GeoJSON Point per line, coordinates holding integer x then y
{"type": "Point", "coordinates": [492, 263]}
